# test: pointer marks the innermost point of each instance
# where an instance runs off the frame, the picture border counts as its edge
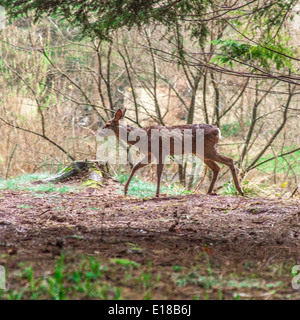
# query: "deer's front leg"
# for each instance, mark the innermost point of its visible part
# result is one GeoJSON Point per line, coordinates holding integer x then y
{"type": "Point", "coordinates": [160, 167]}
{"type": "Point", "coordinates": [144, 162]}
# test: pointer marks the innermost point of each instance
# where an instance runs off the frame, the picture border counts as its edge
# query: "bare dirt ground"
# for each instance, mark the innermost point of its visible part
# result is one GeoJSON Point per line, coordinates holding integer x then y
{"type": "Point", "coordinates": [192, 236]}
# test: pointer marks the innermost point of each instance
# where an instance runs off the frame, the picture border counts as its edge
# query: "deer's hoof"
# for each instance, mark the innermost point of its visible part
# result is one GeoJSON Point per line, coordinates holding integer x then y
{"type": "Point", "coordinates": [212, 194]}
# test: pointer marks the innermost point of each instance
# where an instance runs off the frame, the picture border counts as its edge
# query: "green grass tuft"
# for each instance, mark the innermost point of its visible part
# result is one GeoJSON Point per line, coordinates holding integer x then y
{"type": "Point", "coordinates": [23, 183]}
{"type": "Point", "coordinates": [142, 189]}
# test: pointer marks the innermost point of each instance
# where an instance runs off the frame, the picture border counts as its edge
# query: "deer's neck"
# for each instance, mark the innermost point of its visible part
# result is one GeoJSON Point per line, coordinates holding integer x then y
{"type": "Point", "coordinates": [123, 132]}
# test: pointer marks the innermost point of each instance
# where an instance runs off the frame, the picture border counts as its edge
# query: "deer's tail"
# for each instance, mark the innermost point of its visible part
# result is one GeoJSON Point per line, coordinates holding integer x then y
{"type": "Point", "coordinates": [219, 134]}
{"type": "Point", "coordinates": [216, 133]}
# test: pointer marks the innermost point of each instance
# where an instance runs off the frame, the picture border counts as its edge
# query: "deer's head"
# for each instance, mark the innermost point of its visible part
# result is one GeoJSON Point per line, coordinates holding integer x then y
{"type": "Point", "coordinates": [112, 126]}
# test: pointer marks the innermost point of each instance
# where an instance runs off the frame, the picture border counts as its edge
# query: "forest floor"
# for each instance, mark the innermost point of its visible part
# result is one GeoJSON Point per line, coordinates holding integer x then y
{"type": "Point", "coordinates": [100, 244]}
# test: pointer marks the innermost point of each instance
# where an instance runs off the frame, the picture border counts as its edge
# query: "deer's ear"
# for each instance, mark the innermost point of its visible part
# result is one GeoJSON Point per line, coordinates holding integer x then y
{"type": "Point", "coordinates": [119, 114]}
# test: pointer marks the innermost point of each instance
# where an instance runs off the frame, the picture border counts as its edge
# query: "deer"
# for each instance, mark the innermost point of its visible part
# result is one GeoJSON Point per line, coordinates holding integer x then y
{"type": "Point", "coordinates": [210, 156]}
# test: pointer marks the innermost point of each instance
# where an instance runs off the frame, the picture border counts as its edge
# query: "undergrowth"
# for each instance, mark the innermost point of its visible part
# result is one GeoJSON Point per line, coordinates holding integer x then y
{"type": "Point", "coordinates": [84, 277]}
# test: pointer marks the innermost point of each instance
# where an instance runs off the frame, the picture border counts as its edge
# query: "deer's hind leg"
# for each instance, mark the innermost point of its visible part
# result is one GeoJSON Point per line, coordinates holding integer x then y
{"type": "Point", "coordinates": [230, 163]}
{"type": "Point", "coordinates": [215, 169]}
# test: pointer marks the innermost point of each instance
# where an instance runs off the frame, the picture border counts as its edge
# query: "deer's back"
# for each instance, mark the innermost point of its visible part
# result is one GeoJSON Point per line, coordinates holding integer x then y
{"type": "Point", "coordinates": [174, 135]}
{"type": "Point", "coordinates": [212, 134]}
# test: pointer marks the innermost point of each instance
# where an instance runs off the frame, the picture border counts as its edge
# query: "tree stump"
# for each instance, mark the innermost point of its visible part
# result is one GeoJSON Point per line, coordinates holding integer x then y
{"type": "Point", "coordinates": [90, 172]}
